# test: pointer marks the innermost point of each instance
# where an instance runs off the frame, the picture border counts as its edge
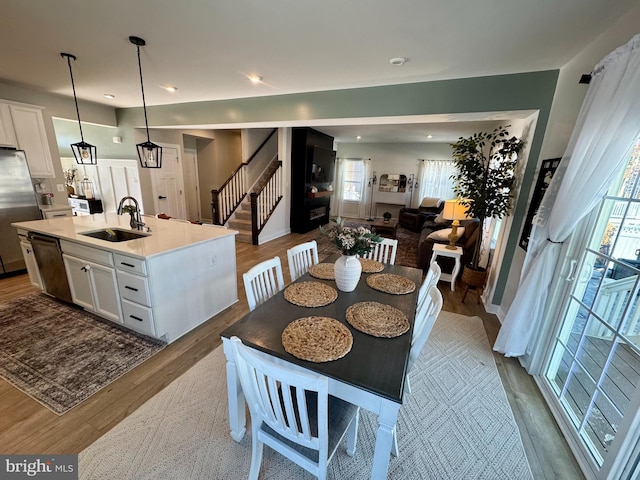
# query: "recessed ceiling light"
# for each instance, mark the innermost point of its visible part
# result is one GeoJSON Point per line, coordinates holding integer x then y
{"type": "Point", "coordinates": [398, 61]}
{"type": "Point", "coordinates": [255, 78]}
{"type": "Point", "coordinates": [429, 136]}
{"type": "Point", "coordinates": [169, 88]}
{"type": "Point", "coordinates": [109, 96]}
{"type": "Point", "coordinates": [358, 137]}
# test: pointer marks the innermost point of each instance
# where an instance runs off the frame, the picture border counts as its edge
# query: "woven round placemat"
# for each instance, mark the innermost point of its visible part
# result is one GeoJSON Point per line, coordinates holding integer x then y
{"type": "Point", "coordinates": [371, 266]}
{"type": "Point", "coordinates": [323, 271]}
{"type": "Point", "coordinates": [391, 283]}
{"type": "Point", "coordinates": [317, 339]}
{"type": "Point", "coordinates": [310, 294]}
{"type": "Point", "coordinates": [377, 319]}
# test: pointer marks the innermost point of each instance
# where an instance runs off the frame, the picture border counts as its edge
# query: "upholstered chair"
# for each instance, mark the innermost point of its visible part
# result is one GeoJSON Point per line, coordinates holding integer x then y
{"type": "Point", "coordinates": [414, 218]}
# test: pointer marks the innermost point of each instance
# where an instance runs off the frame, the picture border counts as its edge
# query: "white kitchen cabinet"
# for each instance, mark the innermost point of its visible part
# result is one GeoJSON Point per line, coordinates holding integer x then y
{"type": "Point", "coordinates": [31, 137]}
{"type": "Point", "coordinates": [22, 126]}
{"type": "Point", "coordinates": [135, 294]}
{"type": "Point", "coordinates": [7, 133]}
{"type": "Point", "coordinates": [93, 285]}
{"type": "Point", "coordinates": [32, 264]}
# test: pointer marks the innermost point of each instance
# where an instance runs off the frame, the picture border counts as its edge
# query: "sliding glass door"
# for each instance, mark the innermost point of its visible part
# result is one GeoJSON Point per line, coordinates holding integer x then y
{"type": "Point", "coordinates": [593, 370]}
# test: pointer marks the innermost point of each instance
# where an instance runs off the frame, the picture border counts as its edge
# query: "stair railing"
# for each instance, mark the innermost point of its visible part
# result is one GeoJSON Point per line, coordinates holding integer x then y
{"type": "Point", "coordinates": [264, 202]}
{"type": "Point", "coordinates": [226, 199]}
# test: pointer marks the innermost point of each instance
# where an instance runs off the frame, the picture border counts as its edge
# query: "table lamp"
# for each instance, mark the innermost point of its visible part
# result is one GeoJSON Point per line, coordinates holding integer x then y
{"type": "Point", "coordinates": [456, 211]}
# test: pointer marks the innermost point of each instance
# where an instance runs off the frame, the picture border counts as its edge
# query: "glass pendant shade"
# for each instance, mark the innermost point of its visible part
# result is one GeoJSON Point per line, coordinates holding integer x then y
{"type": "Point", "coordinates": [149, 153]}
{"type": "Point", "coordinates": [85, 153]}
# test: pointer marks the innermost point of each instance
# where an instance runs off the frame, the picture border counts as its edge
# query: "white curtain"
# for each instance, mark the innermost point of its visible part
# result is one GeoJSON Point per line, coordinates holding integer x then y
{"type": "Point", "coordinates": [434, 177]}
{"type": "Point", "coordinates": [606, 129]}
{"type": "Point", "coordinates": [338, 188]}
{"type": "Point", "coordinates": [367, 191]}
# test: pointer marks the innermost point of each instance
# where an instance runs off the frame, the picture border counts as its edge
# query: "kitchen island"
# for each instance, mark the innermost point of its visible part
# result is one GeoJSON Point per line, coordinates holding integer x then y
{"type": "Point", "coordinates": [171, 279]}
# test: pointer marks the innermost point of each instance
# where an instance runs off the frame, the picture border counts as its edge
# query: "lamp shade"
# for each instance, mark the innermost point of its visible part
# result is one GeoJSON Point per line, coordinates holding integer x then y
{"type": "Point", "coordinates": [454, 210]}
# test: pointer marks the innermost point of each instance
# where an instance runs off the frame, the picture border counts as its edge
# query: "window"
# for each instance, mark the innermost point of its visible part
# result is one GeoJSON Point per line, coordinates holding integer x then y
{"type": "Point", "coordinates": [353, 180]}
{"type": "Point", "coordinates": [594, 371]}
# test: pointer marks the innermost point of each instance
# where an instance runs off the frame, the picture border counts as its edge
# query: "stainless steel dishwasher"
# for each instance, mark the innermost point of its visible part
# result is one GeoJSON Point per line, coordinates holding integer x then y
{"type": "Point", "coordinates": [49, 257]}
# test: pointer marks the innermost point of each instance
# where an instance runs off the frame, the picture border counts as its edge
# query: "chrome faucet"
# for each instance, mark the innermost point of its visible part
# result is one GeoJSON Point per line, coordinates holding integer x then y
{"type": "Point", "coordinates": [137, 222]}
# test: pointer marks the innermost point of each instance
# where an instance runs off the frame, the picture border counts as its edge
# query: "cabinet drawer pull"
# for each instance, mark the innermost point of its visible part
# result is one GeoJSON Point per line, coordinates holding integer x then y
{"type": "Point", "coordinates": [127, 264]}
{"type": "Point", "coordinates": [136, 318]}
{"type": "Point", "coordinates": [131, 288]}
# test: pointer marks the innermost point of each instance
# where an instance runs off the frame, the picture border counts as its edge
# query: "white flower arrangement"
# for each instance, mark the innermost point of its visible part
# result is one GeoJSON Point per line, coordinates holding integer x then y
{"type": "Point", "coordinates": [351, 240]}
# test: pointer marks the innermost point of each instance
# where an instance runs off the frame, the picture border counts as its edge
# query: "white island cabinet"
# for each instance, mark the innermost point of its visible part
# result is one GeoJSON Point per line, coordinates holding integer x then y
{"type": "Point", "coordinates": [165, 284]}
{"type": "Point", "coordinates": [92, 279]}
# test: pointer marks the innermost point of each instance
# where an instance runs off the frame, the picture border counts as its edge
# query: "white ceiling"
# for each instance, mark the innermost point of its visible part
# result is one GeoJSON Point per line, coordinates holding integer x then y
{"type": "Point", "coordinates": [206, 48]}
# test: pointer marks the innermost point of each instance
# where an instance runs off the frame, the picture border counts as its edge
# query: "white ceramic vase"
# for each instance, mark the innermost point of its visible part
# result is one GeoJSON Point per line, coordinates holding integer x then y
{"type": "Point", "coordinates": [347, 270]}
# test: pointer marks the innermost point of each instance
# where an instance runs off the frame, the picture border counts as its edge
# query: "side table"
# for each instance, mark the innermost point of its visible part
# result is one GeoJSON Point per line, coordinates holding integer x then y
{"type": "Point", "coordinates": [440, 250]}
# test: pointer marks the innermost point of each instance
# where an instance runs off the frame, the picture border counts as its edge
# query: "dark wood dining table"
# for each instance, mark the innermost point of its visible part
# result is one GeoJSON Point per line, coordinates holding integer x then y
{"type": "Point", "coordinates": [372, 375]}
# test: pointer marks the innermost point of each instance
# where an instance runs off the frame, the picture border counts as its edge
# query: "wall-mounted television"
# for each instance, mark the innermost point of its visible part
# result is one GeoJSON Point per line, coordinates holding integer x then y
{"type": "Point", "coordinates": [322, 165]}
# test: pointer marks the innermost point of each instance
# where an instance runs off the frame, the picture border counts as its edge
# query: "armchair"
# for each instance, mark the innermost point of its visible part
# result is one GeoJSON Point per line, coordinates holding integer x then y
{"type": "Point", "coordinates": [414, 218]}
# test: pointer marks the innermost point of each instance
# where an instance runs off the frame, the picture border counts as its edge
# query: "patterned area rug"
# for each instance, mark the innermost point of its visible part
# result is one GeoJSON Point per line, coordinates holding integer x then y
{"type": "Point", "coordinates": [406, 254]}
{"type": "Point", "coordinates": [456, 424]}
{"type": "Point", "coordinates": [60, 355]}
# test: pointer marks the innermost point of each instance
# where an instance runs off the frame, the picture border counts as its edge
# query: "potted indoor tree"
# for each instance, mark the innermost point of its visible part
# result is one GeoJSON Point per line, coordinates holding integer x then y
{"type": "Point", "coordinates": [485, 166]}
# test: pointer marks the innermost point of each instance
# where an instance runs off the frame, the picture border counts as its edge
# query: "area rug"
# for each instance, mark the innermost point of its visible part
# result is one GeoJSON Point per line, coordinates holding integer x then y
{"type": "Point", "coordinates": [60, 355]}
{"type": "Point", "coordinates": [456, 424]}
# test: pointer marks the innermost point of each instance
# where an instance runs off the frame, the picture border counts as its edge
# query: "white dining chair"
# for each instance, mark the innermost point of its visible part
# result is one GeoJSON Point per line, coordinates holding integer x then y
{"type": "Point", "coordinates": [426, 315]}
{"type": "Point", "coordinates": [301, 257]}
{"type": "Point", "coordinates": [431, 278]}
{"type": "Point", "coordinates": [384, 251]}
{"type": "Point", "coordinates": [263, 281]}
{"type": "Point", "coordinates": [292, 412]}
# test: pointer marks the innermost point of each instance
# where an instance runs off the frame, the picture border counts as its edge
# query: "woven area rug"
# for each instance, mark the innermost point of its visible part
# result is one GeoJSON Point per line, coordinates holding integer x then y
{"type": "Point", "coordinates": [60, 355]}
{"type": "Point", "coordinates": [456, 424]}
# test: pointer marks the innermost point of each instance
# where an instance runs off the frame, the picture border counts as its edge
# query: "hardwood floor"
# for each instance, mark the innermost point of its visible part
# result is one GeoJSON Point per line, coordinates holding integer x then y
{"type": "Point", "coordinates": [29, 428]}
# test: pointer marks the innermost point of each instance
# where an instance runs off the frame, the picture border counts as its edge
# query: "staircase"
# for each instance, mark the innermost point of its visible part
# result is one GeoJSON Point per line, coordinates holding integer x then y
{"type": "Point", "coordinates": [241, 220]}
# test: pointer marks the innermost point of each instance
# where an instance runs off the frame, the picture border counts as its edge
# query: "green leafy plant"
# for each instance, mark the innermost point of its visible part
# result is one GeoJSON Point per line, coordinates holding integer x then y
{"type": "Point", "coordinates": [485, 166]}
{"type": "Point", "coordinates": [351, 240]}
{"type": "Point", "coordinates": [386, 215]}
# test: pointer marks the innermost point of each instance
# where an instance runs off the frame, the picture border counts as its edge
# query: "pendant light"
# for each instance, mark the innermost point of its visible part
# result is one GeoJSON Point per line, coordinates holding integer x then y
{"type": "Point", "coordinates": [85, 153]}
{"type": "Point", "coordinates": [149, 153]}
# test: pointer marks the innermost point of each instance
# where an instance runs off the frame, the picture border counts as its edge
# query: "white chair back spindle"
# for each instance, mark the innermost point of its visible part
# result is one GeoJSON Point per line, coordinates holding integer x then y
{"type": "Point", "coordinates": [301, 257]}
{"type": "Point", "coordinates": [263, 281]}
{"type": "Point", "coordinates": [384, 252]}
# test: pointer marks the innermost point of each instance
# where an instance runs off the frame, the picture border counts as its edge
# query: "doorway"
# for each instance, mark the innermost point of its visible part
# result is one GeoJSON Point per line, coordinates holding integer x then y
{"type": "Point", "coordinates": [167, 183]}
{"type": "Point", "coordinates": [592, 375]}
{"type": "Point", "coordinates": [192, 182]}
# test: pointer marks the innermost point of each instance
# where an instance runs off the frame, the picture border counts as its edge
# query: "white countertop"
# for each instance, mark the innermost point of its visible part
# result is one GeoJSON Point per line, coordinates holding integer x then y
{"type": "Point", "coordinates": [164, 237]}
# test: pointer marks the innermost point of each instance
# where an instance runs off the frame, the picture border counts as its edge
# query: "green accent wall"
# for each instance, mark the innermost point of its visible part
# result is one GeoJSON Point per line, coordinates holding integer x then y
{"type": "Point", "coordinates": [502, 93]}
{"type": "Point", "coordinates": [68, 132]}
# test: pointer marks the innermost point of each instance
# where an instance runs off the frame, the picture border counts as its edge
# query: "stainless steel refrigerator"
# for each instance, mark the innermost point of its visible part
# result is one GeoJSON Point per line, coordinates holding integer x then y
{"type": "Point", "coordinates": [18, 203]}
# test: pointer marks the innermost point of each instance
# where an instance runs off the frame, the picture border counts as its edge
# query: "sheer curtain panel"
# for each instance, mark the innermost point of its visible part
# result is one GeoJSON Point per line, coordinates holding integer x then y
{"type": "Point", "coordinates": [434, 177]}
{"type": "Point", "coordinates": [605, 131]}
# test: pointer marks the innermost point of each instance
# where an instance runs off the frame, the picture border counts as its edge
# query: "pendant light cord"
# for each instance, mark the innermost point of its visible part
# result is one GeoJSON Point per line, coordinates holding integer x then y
{"type": "Point", "coordinates": [144, 104]}
{"type": "Point", "coordinates": [73, 86]}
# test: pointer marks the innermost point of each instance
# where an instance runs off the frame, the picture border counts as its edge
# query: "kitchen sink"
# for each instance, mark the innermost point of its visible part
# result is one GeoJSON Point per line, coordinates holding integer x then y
{"type": "Point", "coordinates": [115, 235]}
